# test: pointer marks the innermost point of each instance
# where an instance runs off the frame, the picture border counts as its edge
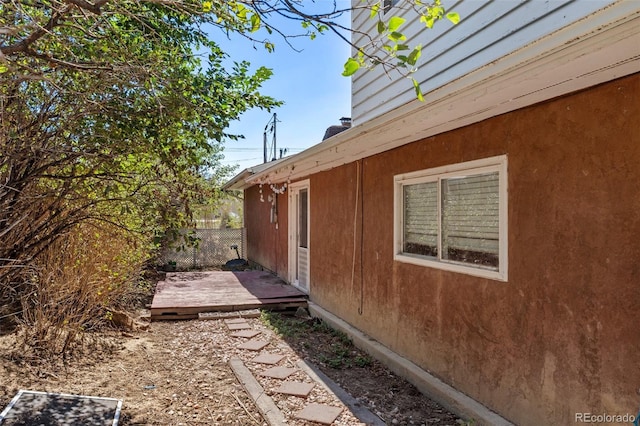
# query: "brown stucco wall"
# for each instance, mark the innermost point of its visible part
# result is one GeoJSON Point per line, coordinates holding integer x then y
{"type": "Point", "coordinates": [266, 241]}
{"type": "Point", "coordinates": [562, 335]}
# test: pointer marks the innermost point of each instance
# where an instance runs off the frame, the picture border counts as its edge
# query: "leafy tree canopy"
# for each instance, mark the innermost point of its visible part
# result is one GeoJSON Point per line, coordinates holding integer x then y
{"type": "Point", "coordinates": [113, 111]}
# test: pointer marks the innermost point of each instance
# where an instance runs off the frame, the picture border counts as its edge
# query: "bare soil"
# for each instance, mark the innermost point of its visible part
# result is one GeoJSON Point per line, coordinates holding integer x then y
{"type": "Point", "coordinates": [177, 373]}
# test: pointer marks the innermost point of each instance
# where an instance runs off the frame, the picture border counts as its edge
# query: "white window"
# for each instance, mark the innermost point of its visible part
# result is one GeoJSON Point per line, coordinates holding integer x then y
{"type": "Point", "coordinates": [454, 218]}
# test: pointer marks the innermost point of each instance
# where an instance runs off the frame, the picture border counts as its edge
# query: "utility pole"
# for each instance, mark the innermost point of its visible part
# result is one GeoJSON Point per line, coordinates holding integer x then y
{"type": "Point", "coordinates": [264, 144]}
{"type": "Point", "coordinates": [275, 120]}
{"type": "Point", "coordinates": [272, 129]}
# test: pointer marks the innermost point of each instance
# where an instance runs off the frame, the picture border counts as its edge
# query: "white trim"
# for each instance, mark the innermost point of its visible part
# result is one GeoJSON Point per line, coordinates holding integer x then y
{"type": "Point", "coordinates": [597, 49]}
{"type": "Point", "coordinates": [492, 164]}
{"type": "Point", "coordinates": [292, 242]}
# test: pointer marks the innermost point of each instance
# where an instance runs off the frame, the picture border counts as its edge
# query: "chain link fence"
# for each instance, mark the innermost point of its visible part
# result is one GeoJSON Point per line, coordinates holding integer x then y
{"type": "Point", "coordinates": [212, 249]}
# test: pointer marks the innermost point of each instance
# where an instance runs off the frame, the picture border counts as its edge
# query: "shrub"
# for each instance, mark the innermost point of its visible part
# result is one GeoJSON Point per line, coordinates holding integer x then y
{"type": "Point", "coordinates": [75, 284]}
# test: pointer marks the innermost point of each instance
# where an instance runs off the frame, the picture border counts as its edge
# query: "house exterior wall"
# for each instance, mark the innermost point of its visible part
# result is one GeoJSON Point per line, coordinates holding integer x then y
{"type": "Point", "coordinates": [488, 31]}
{"type": "Point", "coordinates": [266, 240]}
{"type": "Point", "coordinates": [560, 337]}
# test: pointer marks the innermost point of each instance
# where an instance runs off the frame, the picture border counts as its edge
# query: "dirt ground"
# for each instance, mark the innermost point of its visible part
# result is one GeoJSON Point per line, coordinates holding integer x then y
{"type": "Point", "coordinates": [177, 373]}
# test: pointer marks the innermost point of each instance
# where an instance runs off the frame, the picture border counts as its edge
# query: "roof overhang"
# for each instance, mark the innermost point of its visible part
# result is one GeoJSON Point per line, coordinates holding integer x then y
{"type": "Point", "coordinates": [241, 180]}
{"type": "Point", "coordinates": [599, 48]}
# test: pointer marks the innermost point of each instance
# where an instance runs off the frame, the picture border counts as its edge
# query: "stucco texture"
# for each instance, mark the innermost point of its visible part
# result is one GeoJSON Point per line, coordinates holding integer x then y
{"type": "Point", "coordinates": [266, 237]}
{"type": "Point", "coordinates": [561, 336]}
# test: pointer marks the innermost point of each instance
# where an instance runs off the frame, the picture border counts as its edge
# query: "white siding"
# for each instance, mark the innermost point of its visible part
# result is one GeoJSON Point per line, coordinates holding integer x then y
{"type": "Point", "coordinates": [488, 30]}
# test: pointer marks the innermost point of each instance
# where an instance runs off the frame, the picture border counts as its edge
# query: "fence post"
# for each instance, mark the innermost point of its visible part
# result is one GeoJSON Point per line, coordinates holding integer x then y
{"type": "Point", "coordinates": [195, 255]}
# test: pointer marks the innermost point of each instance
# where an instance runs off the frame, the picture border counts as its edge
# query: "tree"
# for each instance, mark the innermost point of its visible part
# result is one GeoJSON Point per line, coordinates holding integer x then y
{"type": "Point", "coordinates": [112, 114]}
{"type": "Point", "coordinates": [111, 119]}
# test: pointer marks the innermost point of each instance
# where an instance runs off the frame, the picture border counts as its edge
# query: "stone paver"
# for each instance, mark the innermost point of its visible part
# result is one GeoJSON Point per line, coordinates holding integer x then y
{"type": "Point", "coordinates": [245, 333]}
{"type": "Point", "coordinates": [267, 358]}
{"type": "Point", "coordinates": [250, 313]}
{"type": "Point", "coordinates": [253, 345]}
{"type": "Point", "coordinates": [235, 321]}
{"type": "Point", "coordinates": [239, 326]}
{"type": "Point", "coordinates": [278, 372]}
{"type": "Point", "coordinates": [325, 414]}
{"type": "Point", "coordinates": [300, 389]}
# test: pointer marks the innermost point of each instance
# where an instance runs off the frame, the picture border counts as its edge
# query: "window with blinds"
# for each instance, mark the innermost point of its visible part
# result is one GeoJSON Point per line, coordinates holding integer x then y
{"type": "Point", "coordinates": [471, 219]}
{"type": "Point", "coordinates": [454, 217]}
{"type": "Point", "coordinates": [421, 219]}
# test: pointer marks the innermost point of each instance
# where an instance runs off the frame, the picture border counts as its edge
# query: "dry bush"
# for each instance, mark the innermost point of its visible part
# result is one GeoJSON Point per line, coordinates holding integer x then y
{"type": "Point", "coordinates": [74, 286]}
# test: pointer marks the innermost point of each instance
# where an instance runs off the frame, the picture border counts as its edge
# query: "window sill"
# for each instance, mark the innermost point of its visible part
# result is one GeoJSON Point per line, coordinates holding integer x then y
{"type": "Point", "coordinates": [452, 267]}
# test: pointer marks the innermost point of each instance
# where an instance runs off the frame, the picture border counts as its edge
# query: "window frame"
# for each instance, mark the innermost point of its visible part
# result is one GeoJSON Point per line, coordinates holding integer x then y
{"type": "Point", "coordinates": [437, 174]}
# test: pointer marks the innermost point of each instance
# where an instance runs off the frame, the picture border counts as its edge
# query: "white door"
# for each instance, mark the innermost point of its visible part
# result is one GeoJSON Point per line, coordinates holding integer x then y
{"type": "Point", "coordinates": [299, 235]}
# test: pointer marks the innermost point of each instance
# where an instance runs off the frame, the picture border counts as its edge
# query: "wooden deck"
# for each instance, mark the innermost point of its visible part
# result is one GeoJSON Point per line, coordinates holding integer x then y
{"type": "Point", "coordinates": [184, 295]}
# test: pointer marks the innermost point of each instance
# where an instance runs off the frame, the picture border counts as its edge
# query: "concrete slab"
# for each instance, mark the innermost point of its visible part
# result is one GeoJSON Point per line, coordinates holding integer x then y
{"type": "Point", "coordinates": [299, 389]}
{"type": "Point", "coordinates": [240, 326]}
{"type": "Point", "coordinates": [253, 345]}
{"type": "Point", "coordinates": [449, 397]}
{"type": "Point", "coordinates": [245, 333]}
{"type": "Point", "coordinates": [265, 404]}
{"type": "Point", "coordinates": [278, 372]}
{"type": "Point", "coordinates": [356, 407]}
{"type": "Point", "coordinates": [235, 321]}
{"type": "Point", "coordinates": [267, 358]}
{"type": "Point", "coordinates": [320, 413]}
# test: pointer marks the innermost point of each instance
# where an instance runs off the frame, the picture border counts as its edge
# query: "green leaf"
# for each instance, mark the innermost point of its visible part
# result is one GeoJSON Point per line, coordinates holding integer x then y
{"type": "Point", "coordinates": [428, 20]}
{"type": "Point", "coordinates": [453, 17]}
{"type": "Point", "coordinates": [241, 11]}
{"type": "Point", "coordinates": [374, 10]}
{"type": "Point", "coordinates": [414, 55]}
{"type": "Point", "coordinates": [255, 23]}
{"type": "Point", "coordinates": [381, 27]}
{"type": "Point", "coordinates": [3, 68]}
{"type": "Point", "coordinates": [207, 6]}
{"type": "Point", "coordinates": [395, 36]}
{"type": "Point", "coordinates": [395, 22]}
{"type": "Point", "coordinates": [416, 86]}
{"type": "Point", "coordinates": [350, 67]}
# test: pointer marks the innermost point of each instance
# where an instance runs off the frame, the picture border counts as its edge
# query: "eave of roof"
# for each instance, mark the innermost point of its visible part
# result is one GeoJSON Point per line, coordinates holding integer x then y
{"type": "Point", "coordinates": [240, 181]}
{"type": "Point", "coordinates": [600, 48]}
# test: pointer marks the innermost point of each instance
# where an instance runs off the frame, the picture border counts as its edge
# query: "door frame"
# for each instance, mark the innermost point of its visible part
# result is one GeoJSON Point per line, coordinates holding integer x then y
{"type": "Point", "coordinates": [294, 190]}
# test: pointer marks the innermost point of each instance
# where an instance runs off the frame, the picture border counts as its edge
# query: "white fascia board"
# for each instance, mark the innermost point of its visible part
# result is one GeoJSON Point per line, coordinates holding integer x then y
{"type": "Point", "coordinates": [238, 182]}
{"type": "Point", "coordinates": [596, 49]}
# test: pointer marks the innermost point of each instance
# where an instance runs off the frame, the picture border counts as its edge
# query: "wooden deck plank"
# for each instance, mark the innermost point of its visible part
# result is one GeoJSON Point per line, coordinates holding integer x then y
{"type": "Point", "coordinates": [190, 293]}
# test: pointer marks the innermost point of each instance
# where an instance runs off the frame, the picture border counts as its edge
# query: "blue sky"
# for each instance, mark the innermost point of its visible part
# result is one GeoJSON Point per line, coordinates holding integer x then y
{"type": "Point", "coordinates": [310, 83]}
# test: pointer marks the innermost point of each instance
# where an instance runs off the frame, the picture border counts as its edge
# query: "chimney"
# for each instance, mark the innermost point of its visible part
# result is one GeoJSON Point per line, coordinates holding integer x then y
{"type": "Point", "coordinates": [345, 123]}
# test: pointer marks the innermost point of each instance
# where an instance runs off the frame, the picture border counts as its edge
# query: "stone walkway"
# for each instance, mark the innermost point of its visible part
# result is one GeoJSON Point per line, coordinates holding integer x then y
{"type": "Point", "coordinates": [286, 389]}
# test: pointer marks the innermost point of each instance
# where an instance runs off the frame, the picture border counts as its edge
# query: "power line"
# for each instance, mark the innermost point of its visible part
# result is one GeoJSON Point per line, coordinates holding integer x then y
{"type": "Point", "coordinates": [259, 149]}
